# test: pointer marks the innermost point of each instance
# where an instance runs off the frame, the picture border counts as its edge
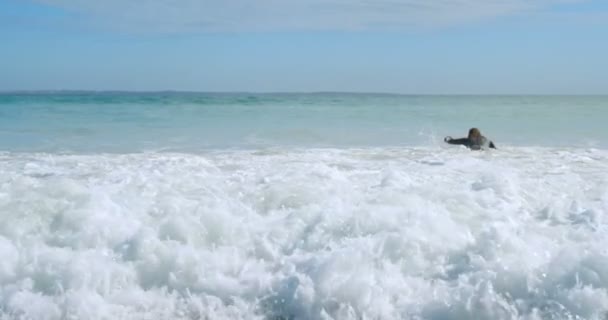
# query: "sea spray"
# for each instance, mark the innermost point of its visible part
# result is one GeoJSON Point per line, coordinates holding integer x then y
{"type": "Point", "coordinates": [373, 233]}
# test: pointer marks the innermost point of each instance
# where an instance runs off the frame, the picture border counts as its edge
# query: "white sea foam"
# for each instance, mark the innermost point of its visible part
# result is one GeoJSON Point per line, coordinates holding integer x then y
{"type": "Point", "coordinates": [442, 233]}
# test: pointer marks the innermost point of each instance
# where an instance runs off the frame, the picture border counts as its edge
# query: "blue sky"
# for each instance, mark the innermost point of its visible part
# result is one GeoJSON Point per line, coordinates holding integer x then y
{"type": "Point", "coordinates": [400, 46]}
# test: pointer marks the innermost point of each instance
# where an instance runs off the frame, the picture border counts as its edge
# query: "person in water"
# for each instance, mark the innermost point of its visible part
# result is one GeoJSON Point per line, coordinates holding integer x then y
{"type": "Point", "coordinates": [475, 141]}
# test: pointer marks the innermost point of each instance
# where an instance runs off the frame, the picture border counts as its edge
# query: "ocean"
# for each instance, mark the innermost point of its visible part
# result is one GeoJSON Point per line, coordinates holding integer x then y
{"type": "Point", "coordinates": [301, 206]}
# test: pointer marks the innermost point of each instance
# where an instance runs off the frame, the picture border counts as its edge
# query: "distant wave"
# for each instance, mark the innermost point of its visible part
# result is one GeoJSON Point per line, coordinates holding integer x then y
{"type": "Point", "coordinates": [133, 122]}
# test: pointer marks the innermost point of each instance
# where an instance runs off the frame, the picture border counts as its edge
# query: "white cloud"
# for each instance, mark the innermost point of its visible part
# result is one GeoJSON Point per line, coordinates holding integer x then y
{"type": "Point", "coordinates": [279, 15]}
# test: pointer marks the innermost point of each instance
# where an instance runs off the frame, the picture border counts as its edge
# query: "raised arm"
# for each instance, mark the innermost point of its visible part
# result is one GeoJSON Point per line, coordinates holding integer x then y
{"type": "Point", "coordinates": [462, 141]}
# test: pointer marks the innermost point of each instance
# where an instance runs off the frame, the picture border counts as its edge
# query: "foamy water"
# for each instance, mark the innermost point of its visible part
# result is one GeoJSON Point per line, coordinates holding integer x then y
{"type": "Point", "coordinates": [284, 233]}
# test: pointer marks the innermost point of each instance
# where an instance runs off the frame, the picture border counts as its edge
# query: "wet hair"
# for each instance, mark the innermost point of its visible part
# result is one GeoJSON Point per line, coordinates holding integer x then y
{"type": "Point", "coordinates": [475, 137]}
{"type": "Point", "coordinates": [474, 133]}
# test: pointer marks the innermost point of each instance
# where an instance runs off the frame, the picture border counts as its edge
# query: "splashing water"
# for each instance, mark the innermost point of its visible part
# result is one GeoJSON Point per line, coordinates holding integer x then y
{"type": "Point", "coordinates": [418, 233]}
{"type": "Point", "coordinates": [323, 206]}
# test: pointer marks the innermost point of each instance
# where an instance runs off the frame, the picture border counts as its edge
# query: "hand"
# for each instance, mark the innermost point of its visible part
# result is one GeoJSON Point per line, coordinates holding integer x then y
{"type": "Point", "coordinates": [447, 139]}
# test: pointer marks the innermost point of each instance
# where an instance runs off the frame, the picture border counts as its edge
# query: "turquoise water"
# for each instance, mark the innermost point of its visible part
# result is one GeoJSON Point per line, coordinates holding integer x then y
{"type": "Point", "coordinates": [130, 122]}
{"type": "Point", "coordinates": [302, 206]}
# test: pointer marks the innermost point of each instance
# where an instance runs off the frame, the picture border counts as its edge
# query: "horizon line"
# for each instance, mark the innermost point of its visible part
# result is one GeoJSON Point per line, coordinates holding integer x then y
{"type": "Point", "coordinates": [328, 92]}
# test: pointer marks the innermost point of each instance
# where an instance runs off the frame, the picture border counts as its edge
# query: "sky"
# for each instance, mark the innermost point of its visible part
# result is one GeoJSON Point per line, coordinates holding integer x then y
{"type": "Point", "coordinates": [395, 46]}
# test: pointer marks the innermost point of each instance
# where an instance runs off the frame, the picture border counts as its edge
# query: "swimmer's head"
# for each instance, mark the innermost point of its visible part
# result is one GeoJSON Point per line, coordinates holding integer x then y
{"type": "Point", "coordinates": [474, 133]}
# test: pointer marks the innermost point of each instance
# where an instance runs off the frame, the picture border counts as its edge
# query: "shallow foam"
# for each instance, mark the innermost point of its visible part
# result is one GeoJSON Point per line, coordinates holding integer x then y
{"type": "Point", "coordinates": [435, 233]}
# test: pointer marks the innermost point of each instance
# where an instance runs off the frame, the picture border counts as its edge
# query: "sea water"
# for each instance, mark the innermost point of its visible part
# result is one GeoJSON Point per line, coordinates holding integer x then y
{"type": "Point", "coordinates": [302, 206]}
